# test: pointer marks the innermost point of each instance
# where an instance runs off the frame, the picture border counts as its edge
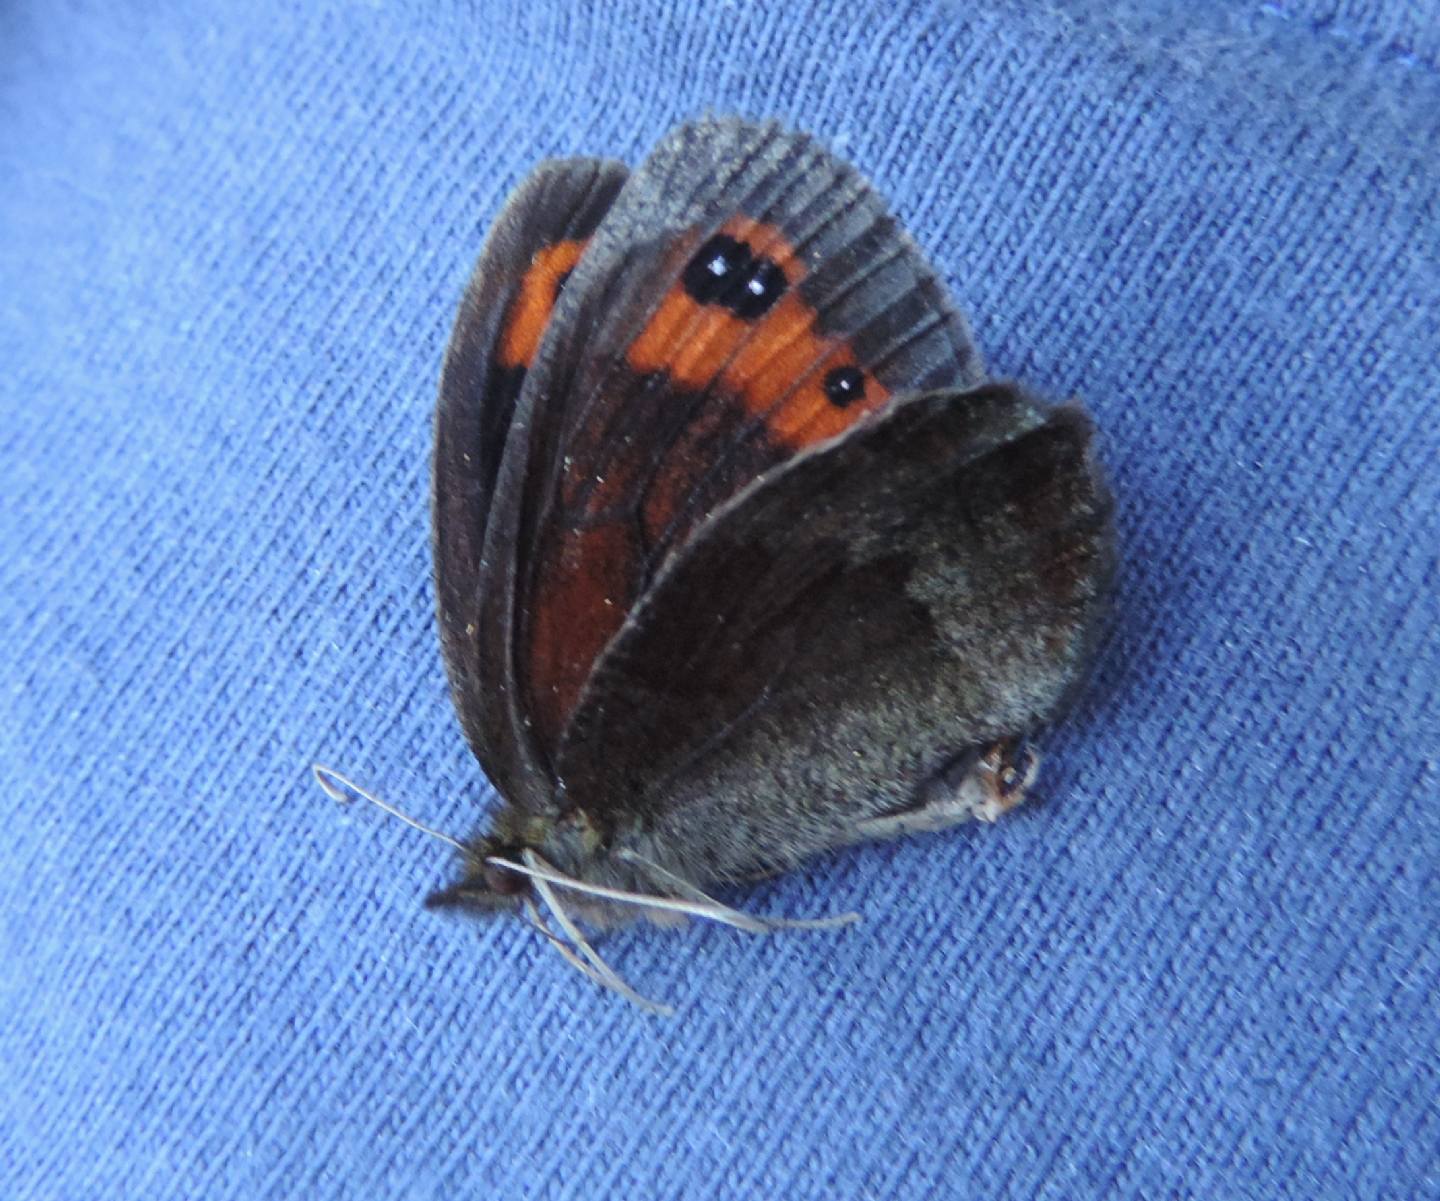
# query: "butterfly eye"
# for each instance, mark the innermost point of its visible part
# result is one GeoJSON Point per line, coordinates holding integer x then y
{"type": "Point", "coordinates": [504, 883]}
{"type": "Point", "coordinates": [844, 386]}
{"type": "Point", "coordinates": [725, 272]}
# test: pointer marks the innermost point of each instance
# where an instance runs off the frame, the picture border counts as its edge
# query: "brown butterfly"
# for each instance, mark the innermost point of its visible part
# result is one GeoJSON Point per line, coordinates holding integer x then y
{"type": "Point", "coordinates": [739, 557]}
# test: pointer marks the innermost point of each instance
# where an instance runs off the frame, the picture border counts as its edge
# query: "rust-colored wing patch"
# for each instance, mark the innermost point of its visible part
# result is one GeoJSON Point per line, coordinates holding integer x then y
{"type": "Point", "coordinates": [530, 311]}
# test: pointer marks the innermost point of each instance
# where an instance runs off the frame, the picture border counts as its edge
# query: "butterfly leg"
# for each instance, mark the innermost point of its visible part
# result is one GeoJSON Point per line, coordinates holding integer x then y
{"type": "Point", "coordinates": [981, 783]}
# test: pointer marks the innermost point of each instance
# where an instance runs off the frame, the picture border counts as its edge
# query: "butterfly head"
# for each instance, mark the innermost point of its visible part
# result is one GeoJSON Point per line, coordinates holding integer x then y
{"type": "Point", "coordinates": [493, 871]}
{"type": "Point", "coordinates": [485, 884]}
{"type": "Point", "coordinates": [498, 869]}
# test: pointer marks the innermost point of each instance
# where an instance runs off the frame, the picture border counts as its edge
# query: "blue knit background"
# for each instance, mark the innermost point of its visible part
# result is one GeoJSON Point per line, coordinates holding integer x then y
{"type": "Point", "coordinates": [232, 239]}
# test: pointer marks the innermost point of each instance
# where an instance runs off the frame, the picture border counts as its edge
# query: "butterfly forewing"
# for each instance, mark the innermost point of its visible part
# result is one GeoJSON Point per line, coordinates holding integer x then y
{"type": "Point", "coordinates": [747, 298]}
{"type": "Point", "coordinates": [534, 245]}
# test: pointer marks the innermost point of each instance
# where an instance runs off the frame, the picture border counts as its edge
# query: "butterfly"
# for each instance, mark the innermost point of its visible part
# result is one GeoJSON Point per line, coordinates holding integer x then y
{"type": "Point", "coordinates": [739, 556]}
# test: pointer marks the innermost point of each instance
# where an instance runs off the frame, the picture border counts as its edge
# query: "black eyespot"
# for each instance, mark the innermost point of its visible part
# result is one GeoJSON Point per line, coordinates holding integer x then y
{"type": "Point", "coordinates": [711, 274]}
{"type": "Point", "coordinates": [724, 272]}
{"type": "Point", "coordinates": [844, 386]}
{"type": "Point", "coordinates": [561, 280]}
{"type": "Point", "coordinates": [1010, 779]}
{"type": "Point", "coordinates": [765, 284]}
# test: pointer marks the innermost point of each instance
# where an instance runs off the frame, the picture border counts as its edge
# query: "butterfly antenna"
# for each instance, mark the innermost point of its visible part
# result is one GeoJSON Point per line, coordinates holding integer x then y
{"type": "Point", "coordinates": [338, 788]}
{"type": "Point", "coordinates": [604, 973]}
{"type": "Point", "coordinates": [738, 916]}
{"type": "Point", "coordinates": [541, 871]}
{"type": "Point", "coordinates": [699, 904]}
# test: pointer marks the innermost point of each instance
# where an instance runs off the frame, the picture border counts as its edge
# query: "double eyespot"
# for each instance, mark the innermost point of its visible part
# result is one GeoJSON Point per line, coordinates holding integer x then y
{"type": "Point", "coordinates": [726, 272]}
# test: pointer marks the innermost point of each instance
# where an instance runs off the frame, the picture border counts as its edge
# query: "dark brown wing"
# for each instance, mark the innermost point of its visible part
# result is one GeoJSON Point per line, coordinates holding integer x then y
{"type": "Point", "coordinates": [747, 298]}
{"type": "Point", "coordinates": [929, 583]}
{"type": "Point", "coordinates": [536, 241]}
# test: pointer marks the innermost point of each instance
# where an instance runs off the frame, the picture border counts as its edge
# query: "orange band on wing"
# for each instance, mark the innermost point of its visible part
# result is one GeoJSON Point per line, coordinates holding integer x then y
{"type": "Point", "coordinates": [530, 310]}
{"type": "Point", "coordinates": [777, 363]}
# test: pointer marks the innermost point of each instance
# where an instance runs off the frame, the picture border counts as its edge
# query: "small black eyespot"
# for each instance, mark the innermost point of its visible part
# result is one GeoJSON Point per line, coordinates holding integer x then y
{"type": "Point", "coordinates": [560, 281]}
{"type": "Point", "coordinates": [724, 272]}
{"type": "Point", "coordinates": [844, 386]}
{"type": "Point", "coordinates": [1010, 778]}
{"type": "Point", "coordinates": [711, 273]}
{"type": "Point", "coordinates": [764, 285]}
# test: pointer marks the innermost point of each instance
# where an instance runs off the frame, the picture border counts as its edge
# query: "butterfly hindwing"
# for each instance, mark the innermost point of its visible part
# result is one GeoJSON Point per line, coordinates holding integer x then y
{"type": "Point", "coordinates": [837, 632]}
{"type": "Point", "coordinates": [534, 245]}
{"type": "Point", "coordinates": [746, 299]}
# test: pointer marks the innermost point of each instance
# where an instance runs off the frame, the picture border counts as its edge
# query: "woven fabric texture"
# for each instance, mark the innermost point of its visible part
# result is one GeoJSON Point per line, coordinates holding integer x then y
{"type": "Point", "coordinates": [232, 240]}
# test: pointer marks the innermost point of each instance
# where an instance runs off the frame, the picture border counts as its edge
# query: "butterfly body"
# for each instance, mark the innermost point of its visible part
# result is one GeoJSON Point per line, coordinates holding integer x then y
{"type": "Point", "coordinates": [738, 556]}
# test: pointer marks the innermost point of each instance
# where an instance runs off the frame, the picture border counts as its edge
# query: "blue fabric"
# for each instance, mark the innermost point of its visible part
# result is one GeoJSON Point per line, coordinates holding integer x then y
{"type": "Point", "coordinates": [232, 239]}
